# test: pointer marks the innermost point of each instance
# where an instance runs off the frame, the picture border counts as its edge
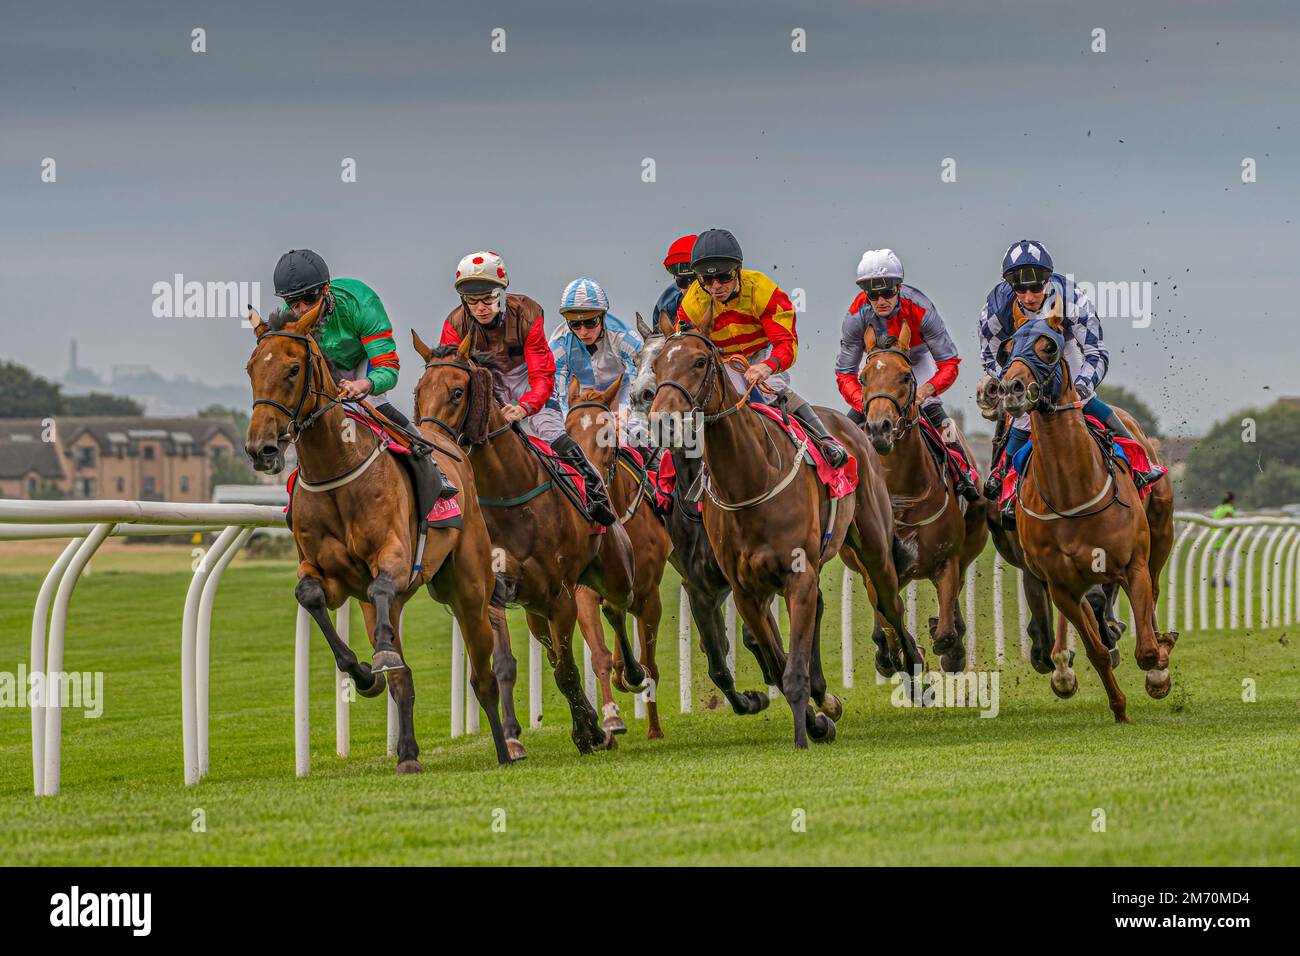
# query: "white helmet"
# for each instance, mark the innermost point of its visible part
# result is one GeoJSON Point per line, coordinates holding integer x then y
{"type": "Point", "coordinates": [879, 264]}
{"type": "Point", "coordinates": [481, 272]}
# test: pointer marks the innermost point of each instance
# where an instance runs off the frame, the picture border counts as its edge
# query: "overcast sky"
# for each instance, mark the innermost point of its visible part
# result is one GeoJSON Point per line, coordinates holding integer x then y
{"type": "Point", "coordinates": [1127, 164]}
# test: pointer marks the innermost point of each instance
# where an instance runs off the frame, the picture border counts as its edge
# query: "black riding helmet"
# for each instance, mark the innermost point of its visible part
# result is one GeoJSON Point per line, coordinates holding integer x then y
{"type": "Point", "coordinates": [299, 272]}
{"type": "Point", "coordinates": [716, 252]}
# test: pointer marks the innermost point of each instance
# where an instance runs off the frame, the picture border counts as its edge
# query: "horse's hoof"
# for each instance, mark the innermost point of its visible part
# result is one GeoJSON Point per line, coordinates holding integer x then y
{"type": "Point", "coordinates": [1159, 684]}
{"type": "Point", "coordinates": [825, 729]}
{"type": "Point", "coordinates": [1040, 665]}
{"type": "Point", "coordinates": [1114, 658]}
{"type": "Point", "coordinates": [386, 660]}
{"type": "Point", "coordinates": [885, 666]}
{"type": "Point", "coordinates": [1067, 687]}
{"type": "Point", "coordinates": [515, 749]}
{"type": "Point", "coordinates": [608, 740]}
{"type": "Point", "coordinates": [614, 725]}
{"type": "Point", "coordinates": [654, 733]}
{"type": "Point", "coordinates": [410, 766]}
{"type": "Point", "coordinates": [954, 662]}
{"type": "Point", "coordinates": [832, 707]}
{"type": "Point", "coordinates": [377, 686]}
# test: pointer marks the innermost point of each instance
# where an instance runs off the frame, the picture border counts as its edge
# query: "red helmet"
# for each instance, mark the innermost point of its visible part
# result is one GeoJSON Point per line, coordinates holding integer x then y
{"type": "Point", "coordinates": [679, 252]}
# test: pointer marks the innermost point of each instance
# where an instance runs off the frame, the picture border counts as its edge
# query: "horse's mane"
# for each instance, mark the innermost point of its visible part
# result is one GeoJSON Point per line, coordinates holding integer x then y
{"type": "Point", "coordinates": [483, 359]}
{"type": "Point", "coordinates": [589, 395]}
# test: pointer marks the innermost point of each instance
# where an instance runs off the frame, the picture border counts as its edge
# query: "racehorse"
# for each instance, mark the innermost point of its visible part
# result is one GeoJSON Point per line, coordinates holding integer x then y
{"type": "Point", "coordinates": [355, 526]}
{"type": "Point", "coordinates": [594, 426]}
{"type": "Point", "coordinates": [948, 532]}
{"type": "Point", "coordinates": [692, 555]}
{"type": "Point", "coordinates": [543, 548]}
{"type": "Point", "coordinates": [773, 524]}
{"type": "Point", "coordinates": [1080, 519]}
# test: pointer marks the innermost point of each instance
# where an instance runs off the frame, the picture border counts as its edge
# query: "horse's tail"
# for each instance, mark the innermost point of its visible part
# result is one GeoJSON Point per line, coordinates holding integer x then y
{"type": "Point", "coordinates": [904, 555]}
{"type": "Point", "coordinates": [505, 592]}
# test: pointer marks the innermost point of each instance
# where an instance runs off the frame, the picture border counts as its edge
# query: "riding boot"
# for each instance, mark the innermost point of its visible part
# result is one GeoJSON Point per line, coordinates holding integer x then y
{"type": "Point", "coordinates": [597, 497]}
{"type": "Point", "coordinates": [445, 488]}
{"type": "Point", "coordinates": [831, 448]}
{"type": "Point", "coordinates": [938, 417]}
{"type": "Point", "coordinates": [1116, 427]}
{"type": "Point", "coordinates": [856, 417]}
{"type": "Point", "coordinates": [993, 485]}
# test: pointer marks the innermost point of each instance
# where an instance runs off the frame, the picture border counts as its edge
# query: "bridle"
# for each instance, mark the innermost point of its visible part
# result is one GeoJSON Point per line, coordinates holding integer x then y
{"type": "Point", "coordinates": [608, 477]}
{"type": "Point", "coordinates": [902, 425]}
{"type": "Point", "coordinates": [710, 384]}
{"type": "Point", "coordinates": [457, 434]}
{"type": "Point", "coordinates": [293, 430]}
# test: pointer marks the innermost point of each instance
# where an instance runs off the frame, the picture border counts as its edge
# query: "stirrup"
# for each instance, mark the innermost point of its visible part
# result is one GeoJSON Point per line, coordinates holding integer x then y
{"type": "Point", "coordinates": [993, 487]}
{"type": "Point", "coordinates": [1143, 478]}
{"type": "Point", "coordinates": [447, 489]}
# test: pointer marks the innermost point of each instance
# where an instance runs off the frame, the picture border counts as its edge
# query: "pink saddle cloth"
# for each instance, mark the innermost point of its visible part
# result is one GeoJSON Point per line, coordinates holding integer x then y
{"type": "Point", "coordinates": [840, 482]}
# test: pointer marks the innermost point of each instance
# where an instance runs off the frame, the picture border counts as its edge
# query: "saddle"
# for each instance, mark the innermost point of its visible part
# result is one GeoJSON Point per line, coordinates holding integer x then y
{"type": "Point", "coordinates": [840, 482]}
{"type": "Point", "coordinates": [560, 474]}
{"type": "Point", "coordinates": [945, 456]}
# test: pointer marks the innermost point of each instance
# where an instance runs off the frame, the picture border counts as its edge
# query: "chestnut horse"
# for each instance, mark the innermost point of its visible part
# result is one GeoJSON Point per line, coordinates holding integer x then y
{"type": "Point", "coordinates": [355, 526]}
{"type": "Point", "coordinates": [594, 426]}
{"type": "Point", "coordinates": [543, 548]}
{"type": "Point", "coordinates": [1080, 519]}
{"type": "Point", "coordinates": [773, 525]}
{"type": "Point", "coordinates": [948, 532]}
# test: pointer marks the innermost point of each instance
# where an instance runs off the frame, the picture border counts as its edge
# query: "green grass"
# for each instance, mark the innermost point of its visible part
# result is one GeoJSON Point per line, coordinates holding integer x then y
{"type": "Point", "coordinates": [1201, 777]}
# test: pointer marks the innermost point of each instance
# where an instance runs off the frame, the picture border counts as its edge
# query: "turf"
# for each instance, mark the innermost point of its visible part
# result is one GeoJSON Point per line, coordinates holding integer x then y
{"type": "Point", "coordinates": [1200, 778]}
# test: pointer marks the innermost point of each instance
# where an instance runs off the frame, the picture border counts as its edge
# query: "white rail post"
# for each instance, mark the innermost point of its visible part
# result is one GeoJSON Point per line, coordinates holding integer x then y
{"type": "Point", "coordinates": [684, 652]}
{"type": "Point", "coordinates": [342, 706]}
{"type": "Point", "coordinates": [638, 700]}
{"type": "Point", "coordinates": [588, 673]}
{"type": "Point", "coordinates": [534, 682]}
{"type": "Point", "coordinates": [301, 693]}
{"type": "Point", "coordinates": [1234, 598]}
{"type": "Point", "coordinates": [1220, 570]}
{"type": "Point", "coordinates": [1203, 584]}
{"type": "Point", "coordinates": [970, 619]}
{"type": "Point", "coordinates": [846, 628]}
{"type": "Point", "coordinates": [1266, 577]}
{"type": "Point", "coordinates": [772, 689]}
{"type": "Point", "coordinates": [1022, 613]}
{"type": "Point", "coordinates": [732, 637]}
{"type": "Point", "coordinates": [457, 683]}
{"type": "Point", "coordinates": [37, 663]}
{"type": "Point", "coordinates": [910, 620]}
{"type": "Point", "coordinates": [1275, 585]}
{"type": "Point", "coordinates": [1188, 619]}
{"type": "Point", "coordinates": [471, 699]}
{"type": "Point", "coordinates": [1288, 577]}
{"type": "Point", "coordinates": [1171, 592]}
{"type": "Point", "coordinates": [203, 639]}
{"type": "Point", "coordinates": [54, 657]}
{"type": "Point", "coordinates": [1248, 599]}
{"type": "Point", "coordinates": [392, 719]}
{"type": "Point", "coordinates": [999, 632]}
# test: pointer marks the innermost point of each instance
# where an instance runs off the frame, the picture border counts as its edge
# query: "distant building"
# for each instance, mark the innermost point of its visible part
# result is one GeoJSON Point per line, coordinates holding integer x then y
{"type": "Point", "coordinates": [130, 458]}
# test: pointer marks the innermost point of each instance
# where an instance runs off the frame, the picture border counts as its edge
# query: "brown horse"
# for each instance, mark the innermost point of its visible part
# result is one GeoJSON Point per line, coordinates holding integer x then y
{"type": "Point", "coordinates": [594, 426]}
{"type": "Point", "coordinates": [543, 548]}
{"type": "Point", "coordinates": [773, 525]}
{"type": "Point", "coordinates": [948, 532]}
{"type": "Point", "coordinates": [355, 526]}
{"type": "Point", "coordinates": [1080, 519]}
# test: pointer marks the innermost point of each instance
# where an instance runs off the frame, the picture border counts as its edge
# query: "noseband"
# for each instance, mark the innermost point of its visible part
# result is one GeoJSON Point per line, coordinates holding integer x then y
{"type": "Point", "coordinates": [293, 431]}
{"type": "Point", "coordinates": [710, 379]}
{"type": "Point", "coordinates": [903, 425]}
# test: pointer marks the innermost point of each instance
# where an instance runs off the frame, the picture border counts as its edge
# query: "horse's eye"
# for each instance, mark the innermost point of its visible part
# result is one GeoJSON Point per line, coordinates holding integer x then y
{"type": "Point", "coordinates": [699, 363]}
{"type": "Point", "coordinates": [1050, 348]}
{"type": "Point", "coordinates": [457, 394]}
{"type": "Point", "coordinates": [294, 370]}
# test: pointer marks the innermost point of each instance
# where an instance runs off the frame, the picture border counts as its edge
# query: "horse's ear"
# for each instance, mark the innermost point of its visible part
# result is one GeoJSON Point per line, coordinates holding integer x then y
{"type": "Point", "coordinates": [424, 351]}
{"type": "Point", "coordinates": [574, 388]}
{"type": "Point", "coordinates": [255, 320]}
{"type": "Point", "coordinates": [465, 347]}
{"type": "Point", "coordinates": [608, 395]}
{"type": "Point", "coordinates": [666, 323]}
{"type": "Point", "coordinates": [706, 321]}
{"type": "Point", "coordinates": [1056, 317]}
{"type": "Point", "coordinates": [904, 340]}
{"type": "Point", "coordinates": [1018, 317]}
{"type": "Point", "coordinates": [304, 323]}
{"type": "Point", "coordinates": [643, 328]}
{"type": "Point", "coordinates": [869, 338]}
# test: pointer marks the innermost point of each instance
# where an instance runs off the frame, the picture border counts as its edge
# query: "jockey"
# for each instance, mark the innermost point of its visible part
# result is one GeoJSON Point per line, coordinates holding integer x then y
{"type": "Point", "coordinates": [511, 329]}
{"type": "Point", "coordinates": [354, 334]}
{"type": "Point", "coordinates": [755, 319]}
{"type": "Point", "coordinates": [678, 264]}
{"type": "Point", "coordinates": [1028, 278]}
{"type": "Point", "coordinates": [595, 347]}
{"type": "Point", "coordinates": [887, 302]}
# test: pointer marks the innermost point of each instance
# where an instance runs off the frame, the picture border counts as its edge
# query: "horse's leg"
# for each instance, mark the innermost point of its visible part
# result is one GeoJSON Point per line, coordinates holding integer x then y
{"type": "Point", "coordinates": [507, 672]}
{"type": "Point", "coordinates": [827, 702]}
{"type": "Point", "coordinates": [1102, 602]}
{"type": "Point", "coordinates": [401, 685]}
{"type": "Point", "coordinates": [382, 593]}
{"type": "Point", "coordinates": [771, 677]}
{"type": "Point", "coordinates": [706, 609]}
{"type": "Point", "coordinates": [947, 642]}
{"type": "Point", "coordinates": [801, 594]}
{"type": "Point", "coordinates": [601, 660]}
{"type": "Point", "coordinates": [1152, 648]}
{"type": "Point", "coordinates": [882, 581]}
{"type": "Point", "coordinates": [1078, 612]}
{"type": "Point", "coordinates": [647, 626]}
{"type": "Point", "coordinates": [587, 733]}
{"type": "Point", "coordinates": [1041, 641]}
{"type": "Point", "coordinates": [470, 603]}
{"type": "Point", "coordinates": [311, 595]}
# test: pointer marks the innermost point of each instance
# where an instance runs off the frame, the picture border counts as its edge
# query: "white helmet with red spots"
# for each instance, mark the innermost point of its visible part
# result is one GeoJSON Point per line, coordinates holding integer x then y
{"type": "Point", "coordinates": [481, 272]}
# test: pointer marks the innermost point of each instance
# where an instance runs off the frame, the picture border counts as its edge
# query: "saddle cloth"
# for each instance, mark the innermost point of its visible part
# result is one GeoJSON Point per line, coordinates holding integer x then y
{"type": "Point", "coordinates": [954, 456]}
{"type": "Point", "coordinates": [1130, 452]}
{"type": "Point", "coordinates": [560, 467]}
{"type": "Point", "coordinates": [840, 482]}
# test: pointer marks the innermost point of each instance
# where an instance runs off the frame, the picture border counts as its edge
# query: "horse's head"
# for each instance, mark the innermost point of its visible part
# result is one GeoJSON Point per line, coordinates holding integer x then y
{"type": "Point", "coordinates": [1036, 376]}
{"type": "Point", "coordinates": [688, 372]}
{"type": "Point", "coordinates": [888, 386]}
{"type": "Point", "coordinates": [592, 422]}
{"type": "Point", "coordinates": [643, 383]}
{"type": "Point", "coordinates": [455, 390]}
{"type": "Point", "coordinates": [289, 375]}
